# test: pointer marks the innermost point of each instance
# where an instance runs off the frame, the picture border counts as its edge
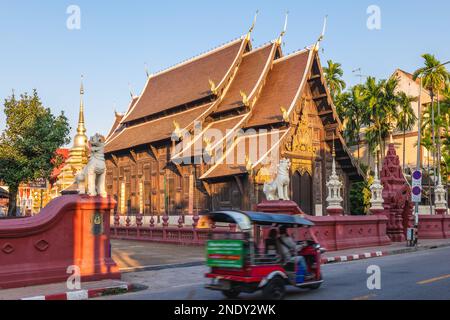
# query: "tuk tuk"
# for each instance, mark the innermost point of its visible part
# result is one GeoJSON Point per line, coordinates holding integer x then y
{"type": "Point", "coordinates": [245, 260]}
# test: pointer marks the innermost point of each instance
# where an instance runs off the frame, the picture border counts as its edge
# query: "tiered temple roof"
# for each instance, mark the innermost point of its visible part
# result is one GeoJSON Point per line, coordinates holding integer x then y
{"type": "Point", "coordinates": [230, 88]}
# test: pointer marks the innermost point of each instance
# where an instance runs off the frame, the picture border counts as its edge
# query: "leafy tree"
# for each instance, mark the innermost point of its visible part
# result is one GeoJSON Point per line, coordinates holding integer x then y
{"type": "Point", "coordinates": [29, 143]}
{"type": "Point", "coordinates": [359, 197]}
{"type": "Point", "coordinates": [333, 75]}
{"type": "Point", "coordinates": [434, 77]}
{"type": "Point", "coordinates": [352, 109]}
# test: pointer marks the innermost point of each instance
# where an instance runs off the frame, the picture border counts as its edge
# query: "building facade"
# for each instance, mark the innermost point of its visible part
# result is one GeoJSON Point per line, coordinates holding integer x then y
{"type": "Point", "coordinates": [207, 133]}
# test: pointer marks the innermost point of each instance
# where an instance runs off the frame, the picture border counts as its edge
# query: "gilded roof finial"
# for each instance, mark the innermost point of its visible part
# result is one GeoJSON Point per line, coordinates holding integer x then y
{"type": "Point", "coordinates": [322, 35]}
{"type": "Point", "coordinates": [146, 70]}
{"type": "Point", "coordinates": [280, 38]}
{"type": "Point", "coordinates": [131, 91]}
{"type": "Point", "coordinates": [253, 25]}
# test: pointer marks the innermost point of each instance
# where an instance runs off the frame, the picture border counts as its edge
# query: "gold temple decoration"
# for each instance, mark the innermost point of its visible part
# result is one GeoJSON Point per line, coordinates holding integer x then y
{"type": "Point", "coordinates": [213, 87]}
{"type": "Point", "coordinates": [280, 38]}
{"type": "Point", "coordinates": [146, 70]}
{"type": "Point", "coordinates": [208, 148]}
{"type": "Point", "coordinates": [322, 35]}
{"type": "Point", "coordinates": [131, 91]}
{"type": "Point", "coordinates": [177, 130]}
{"type": "Point", "coordinates": [253, 25]}
{"type": "Point", "coordinates": [302, 166]}
{"type": "Point", "coordinates": [301, 140]}
{"type": "Point", "coordinates": [263, 176]}
{"type": "Point", "coordinates": [248, 164]}
{"type": "Point", "coordinates": [245, 100]}
{"type": "Point", "coordinates": [285, 114]}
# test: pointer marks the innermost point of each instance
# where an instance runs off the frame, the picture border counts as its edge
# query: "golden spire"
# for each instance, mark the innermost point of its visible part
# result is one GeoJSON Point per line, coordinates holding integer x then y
{"type": "Point", "coordinates": [131, 91]}
{"type": "Point", "coordinates": [81, 129]}
{"type": "Point", "coordinates": [80, 139]}
{"type": "Point", "coordinates": [280, 38]}
{"type": "Point", "coordinates": [322, 35]}
{"type": "Point", "coordinates": [253, 25]}
{"type": "Point", "coordinates": [146, 70]}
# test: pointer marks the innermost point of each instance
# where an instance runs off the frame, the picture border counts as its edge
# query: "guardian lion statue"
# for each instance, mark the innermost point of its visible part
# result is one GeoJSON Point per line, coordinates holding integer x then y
{"type": "Point", "coordinates": [279, 188]}
{"type": "Point", "coordinates": [93, 174]}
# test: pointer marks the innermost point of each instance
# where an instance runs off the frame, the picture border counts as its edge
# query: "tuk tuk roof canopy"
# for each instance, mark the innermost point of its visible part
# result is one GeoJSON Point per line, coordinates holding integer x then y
{"type": "Point", "coordinates": [245, 219]}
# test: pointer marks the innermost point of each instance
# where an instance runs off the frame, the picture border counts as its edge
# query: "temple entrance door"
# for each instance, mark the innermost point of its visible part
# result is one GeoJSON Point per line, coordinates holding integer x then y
{"type": "Point", "coordinates": [302, 192]}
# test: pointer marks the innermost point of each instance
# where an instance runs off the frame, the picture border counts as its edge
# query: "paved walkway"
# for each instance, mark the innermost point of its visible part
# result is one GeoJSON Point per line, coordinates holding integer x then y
{"type": "Point", "coordinates": [56, 289]}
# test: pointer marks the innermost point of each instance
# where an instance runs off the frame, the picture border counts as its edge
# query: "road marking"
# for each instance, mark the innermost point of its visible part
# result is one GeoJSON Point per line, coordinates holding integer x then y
{"type": "Point", "coordinates": [366, 297]}
{"type": "Point", "coordinates": [434, 279]}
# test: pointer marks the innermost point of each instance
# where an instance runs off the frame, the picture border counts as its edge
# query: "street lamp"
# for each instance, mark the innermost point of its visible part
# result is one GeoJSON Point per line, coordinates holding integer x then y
{"type": "Point", "coordinates": [419, 136]}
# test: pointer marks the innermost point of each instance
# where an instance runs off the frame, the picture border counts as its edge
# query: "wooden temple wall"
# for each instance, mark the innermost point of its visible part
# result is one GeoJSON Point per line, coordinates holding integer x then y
{"type": "Point", "coordinates": [144, 184]}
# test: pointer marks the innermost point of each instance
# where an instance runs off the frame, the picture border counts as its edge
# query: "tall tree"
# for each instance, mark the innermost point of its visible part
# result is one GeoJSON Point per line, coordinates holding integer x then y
{"type": "Point", "coordinates": [434, 78]}
{"type": "Point", "coordinates": [29, 143]}
{"type": "Point", "coordinates": [333, 75]}
{"type": "Point", "coordinates": [406, 118]}
{"type": "Point", "coordinates": [352, 109]}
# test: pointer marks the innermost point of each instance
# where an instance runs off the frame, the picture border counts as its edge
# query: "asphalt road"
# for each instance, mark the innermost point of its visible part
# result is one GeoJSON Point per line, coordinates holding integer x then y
{"type": "Point", "coordinates": [419, 275]}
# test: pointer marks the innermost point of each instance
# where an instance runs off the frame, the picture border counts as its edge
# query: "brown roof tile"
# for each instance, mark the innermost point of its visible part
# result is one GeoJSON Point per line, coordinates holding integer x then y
{"type": "Point", "coordinates": [246, 79]}
{"type": "Point", "coordinates": [197, 145]}
{"type": "Point", "coordinates": [282, 85]}
{"type": "Point", "coordinates": [152, 131]}
{"type": "Point", "coordinates": [187, 82]}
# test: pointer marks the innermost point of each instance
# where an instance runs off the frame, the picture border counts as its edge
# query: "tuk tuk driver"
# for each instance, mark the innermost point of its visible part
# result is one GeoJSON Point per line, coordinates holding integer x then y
{"type": "Point", "coordinates": [288, 249]}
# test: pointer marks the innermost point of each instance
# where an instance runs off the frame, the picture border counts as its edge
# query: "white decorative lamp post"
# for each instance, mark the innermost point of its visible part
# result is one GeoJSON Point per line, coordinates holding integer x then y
{"type": "Point", "coordinates": [439, 198]}
{"type": "Point", "coordinates": [376, 189]}
{"type": "Point", "coordinates": [334, 186]}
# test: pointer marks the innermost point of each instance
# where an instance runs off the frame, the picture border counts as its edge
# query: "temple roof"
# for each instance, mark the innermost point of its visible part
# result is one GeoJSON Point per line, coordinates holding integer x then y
{"type": "Point", "coordinates": [152, 131]}
{"type": "Point", "coordinates": [215, 131]}
{"type": "Point", "coordinates": [250, 73]}
{"type": "Point", "coordinates": [188, 81]}
{"type": "Point", "coordinates": [285, 81]}
{"type": "Point", "coordinates": [172, 100]}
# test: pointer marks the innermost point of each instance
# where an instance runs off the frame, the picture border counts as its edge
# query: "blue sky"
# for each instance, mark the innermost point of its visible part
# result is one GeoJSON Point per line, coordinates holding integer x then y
{"type": "Point", "coordinates": [117, 37]}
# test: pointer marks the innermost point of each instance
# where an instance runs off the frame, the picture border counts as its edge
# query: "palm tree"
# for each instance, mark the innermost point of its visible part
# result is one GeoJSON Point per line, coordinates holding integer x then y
{"type": "Point", "coordinates": [352, 105]}
{"type": "Point", "coordinates": [405, 118]}
{"type": "Point", "coordinates": [381, 104]}
{"type": "Point", "coordinates": [434, 78]}
{"type": "Point", "coordinates": [333, 75]}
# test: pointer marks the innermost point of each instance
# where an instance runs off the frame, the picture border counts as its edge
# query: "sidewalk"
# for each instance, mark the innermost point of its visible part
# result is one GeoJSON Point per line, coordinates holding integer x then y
{"type": "Point", "coordinates": [59, 291]}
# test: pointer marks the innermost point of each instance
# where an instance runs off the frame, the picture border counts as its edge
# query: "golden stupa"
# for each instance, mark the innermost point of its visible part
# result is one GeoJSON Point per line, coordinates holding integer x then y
{"type": "Point", "coordinates": [78, 154]}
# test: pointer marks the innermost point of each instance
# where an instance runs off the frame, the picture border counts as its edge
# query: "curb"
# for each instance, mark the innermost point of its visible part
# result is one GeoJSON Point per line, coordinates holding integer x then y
{"type": "Point", "coordinates": [353, 257]}
{"type": "Point", "coordinates": [162, 266]}
{"type": "Point", "coordinates": [85, 294]}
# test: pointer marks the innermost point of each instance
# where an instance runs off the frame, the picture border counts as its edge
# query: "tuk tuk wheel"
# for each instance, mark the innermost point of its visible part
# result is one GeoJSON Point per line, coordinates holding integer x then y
{"type": "Point", "coordinates": [231, 294]}
{"type": "Point", "coordinates": [275, 289]}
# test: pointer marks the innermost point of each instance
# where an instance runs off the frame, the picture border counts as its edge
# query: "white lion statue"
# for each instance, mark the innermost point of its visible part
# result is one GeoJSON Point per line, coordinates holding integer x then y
{"type": "Point", "coordinates": [93, 174]}
{"type": "Point", "coordinates": [279, 188]}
